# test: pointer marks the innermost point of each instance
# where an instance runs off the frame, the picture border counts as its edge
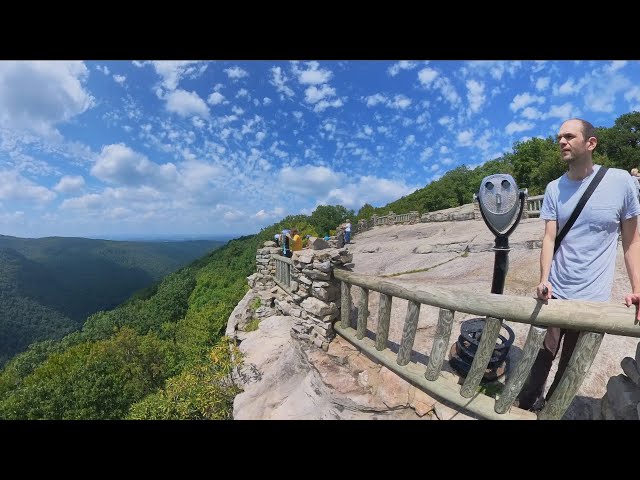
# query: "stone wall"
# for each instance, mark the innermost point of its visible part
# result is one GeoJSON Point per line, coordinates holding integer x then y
{"type": "Point", "coordinates": [313, 296]}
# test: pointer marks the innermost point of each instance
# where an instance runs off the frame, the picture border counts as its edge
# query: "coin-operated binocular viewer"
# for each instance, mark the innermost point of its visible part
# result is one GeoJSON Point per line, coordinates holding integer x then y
{"type": "Point", "coordinates": [501, 205]}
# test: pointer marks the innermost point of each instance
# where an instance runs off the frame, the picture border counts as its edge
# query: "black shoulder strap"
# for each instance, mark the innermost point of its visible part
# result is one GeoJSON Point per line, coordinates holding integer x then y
{"type": "Point", "coordinates": [585, 196]}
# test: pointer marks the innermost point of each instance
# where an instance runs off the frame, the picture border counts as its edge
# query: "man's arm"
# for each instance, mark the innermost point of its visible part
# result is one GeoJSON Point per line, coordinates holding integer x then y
{"type": "Point", "coordinates": [631, 248]}
{"type": "Point", "coordinates": [546, 255]}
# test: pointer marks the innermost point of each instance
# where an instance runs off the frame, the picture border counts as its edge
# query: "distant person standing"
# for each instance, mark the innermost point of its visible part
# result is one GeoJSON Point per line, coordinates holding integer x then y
{"type": "Point", "coordinates": [347, 231]}
{"type": "Point", "coordinates": [276, 238]}
{"type": "Point", "coordinates": [296, 240]}
{"type": "Point", "coordinates": [284, 243]}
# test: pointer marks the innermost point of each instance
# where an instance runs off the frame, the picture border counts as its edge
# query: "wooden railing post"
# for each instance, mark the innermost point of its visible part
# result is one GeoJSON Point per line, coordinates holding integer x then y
{"type": "Point", "coordinates": [522, 369]}
{"type": "Point", "coordinates": [409, 332]}
{"type": "Point", "coordinates": [345, 305]}
{"type": "Point", "coordinates": [384, 317]}
{"type": "Point", "coordinates": [440, 344]}
{"type": "Point", "coordinates": [586, 349]}
{"type": "Point", "coordinates": [363, 313]}
{"type": "Point", "coordinates": [482, 357]}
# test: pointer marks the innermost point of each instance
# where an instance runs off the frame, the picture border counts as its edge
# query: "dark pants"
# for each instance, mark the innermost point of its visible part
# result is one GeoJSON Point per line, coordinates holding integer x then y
{"type": "Point", "coordinates": [347, 237]}
{"type": "Point", "coordinates": [534, 386]}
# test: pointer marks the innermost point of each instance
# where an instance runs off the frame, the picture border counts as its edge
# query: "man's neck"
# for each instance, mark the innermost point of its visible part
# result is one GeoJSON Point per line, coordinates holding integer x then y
{"type": "Point", "coordinates": [579, 170]}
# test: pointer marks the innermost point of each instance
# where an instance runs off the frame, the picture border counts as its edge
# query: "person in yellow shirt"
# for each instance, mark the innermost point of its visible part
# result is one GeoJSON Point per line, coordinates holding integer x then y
{"type": "Point", "coordinates": [296, 240]}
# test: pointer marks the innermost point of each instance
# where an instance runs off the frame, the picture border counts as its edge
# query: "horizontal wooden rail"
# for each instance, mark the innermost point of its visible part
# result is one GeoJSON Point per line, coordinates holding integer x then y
{"type": "Point", "coordinates": [574, 314]}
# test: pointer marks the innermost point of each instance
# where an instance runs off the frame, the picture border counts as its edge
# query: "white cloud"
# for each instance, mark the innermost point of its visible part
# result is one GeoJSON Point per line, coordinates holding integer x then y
{"type": "Point", "coordinates": [427, 76]}
{"type": "Point", "coordinates": [542, 83]}
{"type": "Point", "coordinates": [475, 95]}
{"type": "Point", "coordinates": [279, 80]}
{"type": "Point", "coordinates": [465, 138]}
{"type": "Point", "coordinates": [515, 127]}
{"type": "Point", "coordinates": [523, 99]}
{"type": "Point", "coordinates": [172, 71]}
{"type": "Point", "coordinates": [560, 111]}
{"type": "Point", "coordinates": [103, 69]}
{"type": "Point", "coordinates": [373, 100]}
{"type": "Point", "coordinates": [399, 102]}
{"type": "Point", "coordinates": [367, 189]}
{"type": "Point", "coordinates": [119, 79]}
{"type": "Point", "coordinates": [235, 72]}
{"type": "Point", "coordinates": [616, 65]}
{"type": "Point", "coordinates": [309, 180]}
{"type": "Point", "coordinates": [216, 98]}
{"type": "Point", "coordinates": [314, 94]}
{"type": "Point", "coordinates": [37, 96]}
{"type": "Point", "coordinates": [186, 103]}
{"type": "Point", "coordinates": [69, 184]}
{"type": "Point", "coordinates": [426, 154]}
{"type": "Point", "coordinates": [531, 113]}
{"type": "Point", "coordinates": [15, 187]}
{"type": "Point", "coordinates": [121, 165]}
{"type": "Point", "coordinates": [313, 75]}
{"type": "Point", "coordinates": [394, 69]}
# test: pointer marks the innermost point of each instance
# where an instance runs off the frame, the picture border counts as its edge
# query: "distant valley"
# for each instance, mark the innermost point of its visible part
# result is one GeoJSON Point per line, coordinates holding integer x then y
{"type": "Point", "coordinates": [49, 286]}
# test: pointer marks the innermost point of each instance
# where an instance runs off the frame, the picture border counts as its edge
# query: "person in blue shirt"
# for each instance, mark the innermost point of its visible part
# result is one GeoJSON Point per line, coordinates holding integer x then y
{"type": "Point", "coordinates": [583, 266]}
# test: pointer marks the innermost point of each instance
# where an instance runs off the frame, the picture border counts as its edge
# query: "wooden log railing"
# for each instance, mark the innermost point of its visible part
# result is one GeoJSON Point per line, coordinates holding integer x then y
{"type": "Point", "coordinates": [283, 272]}
{"type": "Point", "coordinates": [593, 319]}
{"type": "Point", "coordinates": [534, 204]}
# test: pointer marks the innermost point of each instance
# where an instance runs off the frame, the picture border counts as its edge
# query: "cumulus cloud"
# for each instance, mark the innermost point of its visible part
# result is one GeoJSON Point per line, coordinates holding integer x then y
{"type": "Point", "coordinates": [542, 83]}
{"type": "Point", "coordinates": [119, 164]}
{"type": "Point", "coordinates": [279, 80]}
{"type": "Point", "coordinates": [235, 72]}
{"type": "Point", "coordinates": [515, 127]}
{"type": "Point", "coordinates": [172, 71]}
{"type": "Point", "coordinates": [394, 69]}
{"type": "Point", "coordinates": [475, 95]}
{"type": "Point", "coordinates": [313, 75]}
{"type": "Point", "coordinates": [15, 187]}
{"type": "Point", "coordinates": [523, 99]}
{"type": "Point", "coordinates": [367, 189]}
{"type": "Point", "coordinates": [119, 79]}
{"type": "Point", "coordinates": [186, 104]}
{"type": "Point", "coordinates": [69, 184]}
{"type": "Point", "coordinates": [37, 96]}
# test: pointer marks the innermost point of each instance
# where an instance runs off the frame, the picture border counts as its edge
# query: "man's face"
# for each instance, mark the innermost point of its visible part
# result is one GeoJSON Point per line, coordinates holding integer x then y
{"type": "Point", "coordinates": [572, 143]}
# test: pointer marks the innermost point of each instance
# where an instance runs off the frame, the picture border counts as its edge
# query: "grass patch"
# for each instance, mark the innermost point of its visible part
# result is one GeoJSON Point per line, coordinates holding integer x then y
{"type": "Point", "coordinates": [255, 304]}
{"type": "Point", "coordinates": [252, 325]}
{"type": "Point", "coordinates": [491, 389]}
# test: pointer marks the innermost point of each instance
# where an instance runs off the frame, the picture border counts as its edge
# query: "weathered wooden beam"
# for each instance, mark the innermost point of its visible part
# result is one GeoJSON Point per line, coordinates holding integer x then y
{"type": "Point", "coordinates": [363, 312]}
{"type": "Point", "coordinates": [441, 388]}
{"type": "Point", "coordinates": [384, 318]}
{"type": "Point", "coordinates": [581, 359]}
{"type": "Point", "coordinates": [521, 371]}
{"type": "Point", "coordinates": [345, 305]}
{"type": "Point", "coordinates": [440, 344]}
{"type": "Point", "coordinates": [482, 357]}
{"type": "Point", "coordinates": [408, 332]}
{"type": "Point", "coordinates": [575, 314]}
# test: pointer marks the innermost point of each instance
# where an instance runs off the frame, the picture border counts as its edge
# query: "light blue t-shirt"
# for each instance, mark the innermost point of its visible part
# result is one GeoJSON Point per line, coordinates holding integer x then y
{"type": "Point", "coordinates": [584, 265]}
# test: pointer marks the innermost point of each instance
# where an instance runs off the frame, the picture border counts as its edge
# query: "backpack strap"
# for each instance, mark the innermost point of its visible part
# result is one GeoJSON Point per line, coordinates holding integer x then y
{"type": "Point", "coordinates": [576, 211]}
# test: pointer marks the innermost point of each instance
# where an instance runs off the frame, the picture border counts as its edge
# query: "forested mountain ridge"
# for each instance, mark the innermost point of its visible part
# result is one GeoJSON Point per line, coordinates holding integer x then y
{"type": "Point", "coordinates": [49, 286]}
{"type": "Point", "coordinates": [159, 355]}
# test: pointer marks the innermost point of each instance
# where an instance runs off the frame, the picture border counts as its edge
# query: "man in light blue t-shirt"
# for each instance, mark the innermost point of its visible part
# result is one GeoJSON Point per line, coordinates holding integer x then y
{"type": "Point", "coordinates": [583, 266]}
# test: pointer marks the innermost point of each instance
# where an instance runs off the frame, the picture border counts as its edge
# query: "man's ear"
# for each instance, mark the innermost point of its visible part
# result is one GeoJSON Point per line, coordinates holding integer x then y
{"type": "Point", "coordinates": [592, 143]}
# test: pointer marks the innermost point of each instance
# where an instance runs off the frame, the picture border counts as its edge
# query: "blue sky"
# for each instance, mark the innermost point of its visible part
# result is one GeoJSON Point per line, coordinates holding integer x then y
{"type": "Point", "coordinates": [140, 148]}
